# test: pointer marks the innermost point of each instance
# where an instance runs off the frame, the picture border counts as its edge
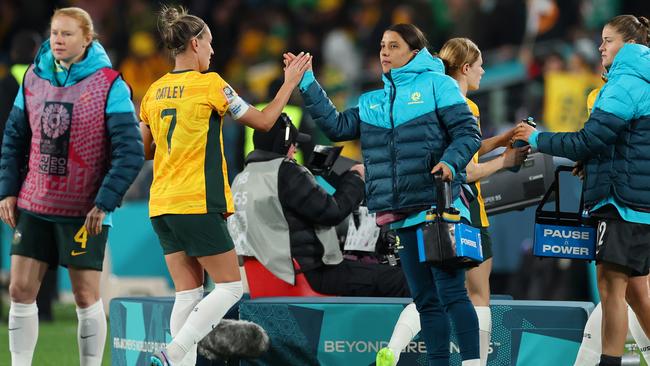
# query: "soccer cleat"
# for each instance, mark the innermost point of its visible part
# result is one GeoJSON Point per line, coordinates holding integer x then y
{"type": "Point", "coordinates": [160, 358]}
{"type": "Point", "coordinates": [385, 357]}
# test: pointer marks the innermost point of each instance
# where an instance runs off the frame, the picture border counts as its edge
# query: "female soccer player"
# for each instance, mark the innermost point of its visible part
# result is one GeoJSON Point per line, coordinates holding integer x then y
{"type": "Point", "coordinates": [74, 118]}
{"type": "Point", "coordinates": [182, 115]}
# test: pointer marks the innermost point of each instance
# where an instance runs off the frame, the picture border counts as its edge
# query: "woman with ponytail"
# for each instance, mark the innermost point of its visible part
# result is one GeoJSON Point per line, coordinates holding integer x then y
{"type": "Point", "coordinates": [418, 124]}
{"type": "Point", "coordinates": [182, 117]}
{"type": "Point", "coordinates": [464, 63]}
{"type": "Point", "coordinates": [614, 146]}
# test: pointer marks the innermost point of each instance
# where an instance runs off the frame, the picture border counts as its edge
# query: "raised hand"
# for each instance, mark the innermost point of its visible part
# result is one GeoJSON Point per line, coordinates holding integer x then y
{"type": "Point", "coordinates": [295, 67]}
{"type": "Point", "coordinates": [287, 57]}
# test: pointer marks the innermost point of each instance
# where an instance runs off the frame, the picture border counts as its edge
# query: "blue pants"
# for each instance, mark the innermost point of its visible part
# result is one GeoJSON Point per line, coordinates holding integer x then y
{"type": "Point", "coordinates": [439, 296]}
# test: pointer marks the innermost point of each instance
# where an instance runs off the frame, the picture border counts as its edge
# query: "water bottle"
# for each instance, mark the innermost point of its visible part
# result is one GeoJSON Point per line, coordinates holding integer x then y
{"type": "Point", "coordinates": [445, 202]}
{"type": "Point", "coordinates": [521, 143]}
{"type": "Point", "coordinates": [438, 228]}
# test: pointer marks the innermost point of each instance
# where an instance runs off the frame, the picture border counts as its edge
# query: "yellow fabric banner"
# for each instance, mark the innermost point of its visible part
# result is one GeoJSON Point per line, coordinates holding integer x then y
{"type": "Point", "coordinates": [565, 98]}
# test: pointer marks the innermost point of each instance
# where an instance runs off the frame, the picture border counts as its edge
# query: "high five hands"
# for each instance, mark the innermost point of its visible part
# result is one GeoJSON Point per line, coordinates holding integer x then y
{"type": "Point", "coordinates": [295, 66]}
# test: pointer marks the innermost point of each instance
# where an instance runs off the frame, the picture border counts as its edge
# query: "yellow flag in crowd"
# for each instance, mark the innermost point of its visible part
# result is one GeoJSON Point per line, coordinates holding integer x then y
{"type": "Point", "coordinates": [565, 97]}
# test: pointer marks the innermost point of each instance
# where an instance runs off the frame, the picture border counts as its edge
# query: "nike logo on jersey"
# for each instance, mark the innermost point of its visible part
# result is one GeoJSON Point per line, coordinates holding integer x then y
{"type": "Point", "coordinates": [74, 253]}
{"type": "Point", "coordinates": [374, 106]}
{"type": "Point", "coordinates": [88, 336]}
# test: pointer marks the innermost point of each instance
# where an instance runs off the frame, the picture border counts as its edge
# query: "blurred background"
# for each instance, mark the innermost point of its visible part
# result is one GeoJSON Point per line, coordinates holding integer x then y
{"type": "Point", "coordinates": [541, 60]}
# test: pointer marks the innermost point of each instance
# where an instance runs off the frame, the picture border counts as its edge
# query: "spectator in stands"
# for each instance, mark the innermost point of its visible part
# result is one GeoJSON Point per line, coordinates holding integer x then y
{"type": "Point", "coordinates": [614, 146]}
{"type": "Point", "coordinates": [23, 49]}
{"type": "Point", "coordinates": [74, 120]}
{"type": "Point", "coordinates": [417, 125]}
{"type": "Point", "coordinates": [283, 213]}
{"type": "Point", "coordinates": [182, 116]}
{"type": "Point", "coordinates": [143, 65]}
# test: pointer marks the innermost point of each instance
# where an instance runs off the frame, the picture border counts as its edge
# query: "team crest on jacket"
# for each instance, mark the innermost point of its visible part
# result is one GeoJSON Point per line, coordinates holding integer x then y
{"type": "Point", "coordinates": [416, 98]}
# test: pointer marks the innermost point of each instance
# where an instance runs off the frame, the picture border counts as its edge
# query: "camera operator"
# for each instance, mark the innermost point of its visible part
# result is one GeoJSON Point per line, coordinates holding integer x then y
{"type": "Point", "coordinates": [283, 213]}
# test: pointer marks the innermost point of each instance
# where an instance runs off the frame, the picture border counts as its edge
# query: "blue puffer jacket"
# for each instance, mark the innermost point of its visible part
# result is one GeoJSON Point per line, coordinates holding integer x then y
{"type": "Point", "coordinates": [127, 153]}
{"type": "Point", "coordinates": [419, 119]}
{"type": "Point", "coordinates": [615, 141]}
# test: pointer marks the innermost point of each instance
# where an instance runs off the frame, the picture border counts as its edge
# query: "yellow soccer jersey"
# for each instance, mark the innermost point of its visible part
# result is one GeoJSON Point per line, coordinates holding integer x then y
{"type": "Point", "coordinates": [184, 111]}
{"type": "Point", "coordinates": [477, 206]}
{"type": "Point", "coordinates": [591, 99]}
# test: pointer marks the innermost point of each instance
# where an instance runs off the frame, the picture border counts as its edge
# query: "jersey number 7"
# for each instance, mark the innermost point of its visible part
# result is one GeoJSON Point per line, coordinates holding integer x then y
{"type": "Point", "coordinates": [166, 113]}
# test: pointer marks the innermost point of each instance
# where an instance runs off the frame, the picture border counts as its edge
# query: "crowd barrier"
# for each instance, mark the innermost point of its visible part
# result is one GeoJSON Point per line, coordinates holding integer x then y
{"type": "Point", "coordinates": [336, 331]}
{"type": "Point", "coordinates": [139, 326]}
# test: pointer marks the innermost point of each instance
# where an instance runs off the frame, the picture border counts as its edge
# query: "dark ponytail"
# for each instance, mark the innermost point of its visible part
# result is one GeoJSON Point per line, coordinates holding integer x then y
{"type": "Point", "coordinates": [411, 34]}
{"type": "Point", "coordinates": [632, 28]}
{"type": "Point", "coordinates": [646, 24]}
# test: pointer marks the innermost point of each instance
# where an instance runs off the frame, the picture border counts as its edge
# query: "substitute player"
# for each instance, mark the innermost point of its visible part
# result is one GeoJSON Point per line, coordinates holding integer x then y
{"type": "Point", "coordinates": [74, 118]}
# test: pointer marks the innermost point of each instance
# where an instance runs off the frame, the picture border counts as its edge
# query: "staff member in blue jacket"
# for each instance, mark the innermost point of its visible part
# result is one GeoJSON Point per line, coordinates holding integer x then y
{"type": "Point", "coordinates": [614, 145]}
{"type": "Point", "coordinates": [416, 125]}
{"type": "Point", "coordinates": [74, 129]}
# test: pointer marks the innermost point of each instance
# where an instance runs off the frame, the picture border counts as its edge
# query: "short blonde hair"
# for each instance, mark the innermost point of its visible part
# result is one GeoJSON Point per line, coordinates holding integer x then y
{"type": "Point", "coordinates": [85, 21]}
